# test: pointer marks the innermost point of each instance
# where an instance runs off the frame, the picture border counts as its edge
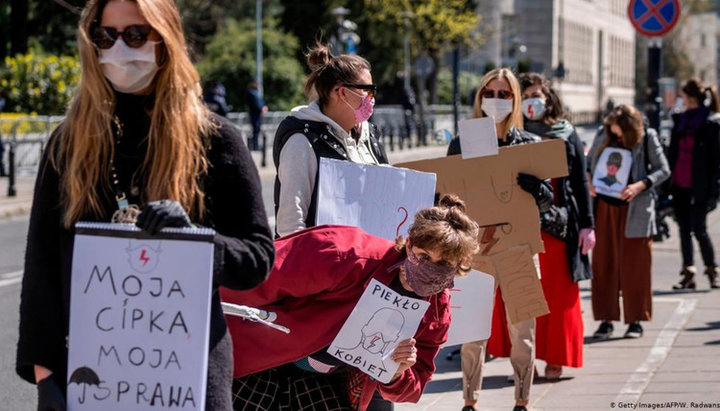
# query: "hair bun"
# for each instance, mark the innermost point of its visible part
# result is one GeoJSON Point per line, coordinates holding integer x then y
{"type": "Point", "coordinates": [318, 56]}
{"type": "Point", "coordinates": [452, 201]}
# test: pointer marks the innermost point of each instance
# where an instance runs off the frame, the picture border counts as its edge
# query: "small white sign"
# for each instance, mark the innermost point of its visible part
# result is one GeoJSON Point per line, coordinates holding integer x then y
{"type": "Point", "coordinates": [478, 137]}
{"type": "Point", "coordinates": [380, 321]}
{"type": "Point", "coordinates": [382, 200]}
{"type": "Point", "coordinates": [139, 318]}
{"type": "Point", "coordinates": [612, 171]}
{"type": "Point", "coordinates": [472, 301]}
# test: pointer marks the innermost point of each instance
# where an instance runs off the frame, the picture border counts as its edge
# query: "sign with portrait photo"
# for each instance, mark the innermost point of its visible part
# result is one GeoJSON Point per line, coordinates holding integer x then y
{"type": "Point", "coordinates": [612, 171]}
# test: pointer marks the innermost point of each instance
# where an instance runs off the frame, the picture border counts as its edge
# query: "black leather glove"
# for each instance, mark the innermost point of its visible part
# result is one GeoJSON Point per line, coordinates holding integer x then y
{"type": "Point", "coordinates": [157, 215]}
{"type": "Point", "coordinates": [50, 396]}
{"type": "Point", "coordinates": [711, 204]}
{"type": "Point", "coordinates": [539, 189]}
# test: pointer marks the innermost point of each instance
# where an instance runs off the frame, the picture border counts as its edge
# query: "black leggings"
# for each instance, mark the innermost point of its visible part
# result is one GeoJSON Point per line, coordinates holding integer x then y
{"type": "Point", "coordinates": [691, 219]}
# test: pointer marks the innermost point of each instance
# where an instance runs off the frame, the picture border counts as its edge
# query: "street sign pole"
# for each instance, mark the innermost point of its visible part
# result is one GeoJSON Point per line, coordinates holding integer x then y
{"type": "Point", "coordinates": [654, 100]}
{"type": "Point", "coordinates": [654, 18]}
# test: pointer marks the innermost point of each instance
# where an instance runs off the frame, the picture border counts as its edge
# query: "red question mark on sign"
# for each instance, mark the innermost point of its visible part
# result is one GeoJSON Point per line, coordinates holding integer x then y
{"type": "Point", "coordinates": [397, 231]}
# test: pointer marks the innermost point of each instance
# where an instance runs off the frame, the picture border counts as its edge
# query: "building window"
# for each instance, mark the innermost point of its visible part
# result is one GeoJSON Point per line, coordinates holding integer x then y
{"type": "Point", "coordinates": [578, 53]}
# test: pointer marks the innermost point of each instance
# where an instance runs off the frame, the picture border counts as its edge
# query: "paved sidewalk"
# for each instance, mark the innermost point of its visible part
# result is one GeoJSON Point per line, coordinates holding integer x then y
{"type": "Point", "coordinates": [676, 361]}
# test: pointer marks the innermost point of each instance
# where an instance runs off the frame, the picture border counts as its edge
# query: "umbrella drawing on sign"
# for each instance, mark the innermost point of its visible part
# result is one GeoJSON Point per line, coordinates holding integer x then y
{"type": "Point", "coordinates": [85, 376]}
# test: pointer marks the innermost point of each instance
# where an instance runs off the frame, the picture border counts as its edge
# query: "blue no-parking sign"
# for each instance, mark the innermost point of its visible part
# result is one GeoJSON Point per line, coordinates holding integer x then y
{"type": "Point", "coordinates": [653, 17]}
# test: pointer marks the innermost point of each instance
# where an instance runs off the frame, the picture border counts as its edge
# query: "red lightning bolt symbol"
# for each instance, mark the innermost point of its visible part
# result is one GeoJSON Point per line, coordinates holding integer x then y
{"type": "Point", "coordinates": [531, 111]}
{"type": "Point", "coordinates": [144, 258]}
{"type": "Point", "coordinates": [372, 343]}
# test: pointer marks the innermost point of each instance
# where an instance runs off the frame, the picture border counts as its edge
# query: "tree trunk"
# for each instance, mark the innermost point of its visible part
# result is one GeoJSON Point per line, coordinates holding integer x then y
{"type": "Point", "coordinates": [18, 26]}
{"type": "Point", "coordinates": [432, 78]}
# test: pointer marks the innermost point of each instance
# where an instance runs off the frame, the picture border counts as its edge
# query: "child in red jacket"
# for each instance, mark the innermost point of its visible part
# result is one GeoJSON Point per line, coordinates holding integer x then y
{"type": "Point", "coordinates": [319, 275]}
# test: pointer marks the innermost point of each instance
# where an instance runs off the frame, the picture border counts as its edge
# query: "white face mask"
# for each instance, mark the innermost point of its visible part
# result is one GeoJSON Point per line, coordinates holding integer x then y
{"type": "Point", "coordinates": [497, 108]}
{"type": "Point", "coordinates": [129, 70]}
{"type": "Point", "coordinates": [533, 108]}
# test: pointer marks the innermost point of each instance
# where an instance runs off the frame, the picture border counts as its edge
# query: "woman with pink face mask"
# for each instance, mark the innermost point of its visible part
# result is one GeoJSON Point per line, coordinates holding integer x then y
{"type": "Point", "coordinates": [334, 125]}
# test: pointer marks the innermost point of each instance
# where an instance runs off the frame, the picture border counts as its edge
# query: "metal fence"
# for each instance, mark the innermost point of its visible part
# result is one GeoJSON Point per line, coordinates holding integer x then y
{"type": "Point", "coordinates": [24, 138]}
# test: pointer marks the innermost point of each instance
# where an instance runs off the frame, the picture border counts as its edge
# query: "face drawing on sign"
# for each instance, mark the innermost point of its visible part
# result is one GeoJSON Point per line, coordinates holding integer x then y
{"type": "Point", "coordinates": [381, 330]}
{"type": "Point", "coordinates": [142, 257]}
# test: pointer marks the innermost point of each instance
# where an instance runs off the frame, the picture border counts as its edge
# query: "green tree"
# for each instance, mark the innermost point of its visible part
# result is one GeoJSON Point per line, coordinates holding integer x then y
{"type": "Point", "coordinates": [437, 26]}
{"type": "Point", "coordinates": [39, 83]}
{"type": "Point", "coordinates": [230, 58]}
{"type": "Point", "coordinates": [467, 82]}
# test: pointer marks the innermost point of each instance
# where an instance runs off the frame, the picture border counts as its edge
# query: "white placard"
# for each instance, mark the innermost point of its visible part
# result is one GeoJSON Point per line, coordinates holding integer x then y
{"type": "Point", "coordinates": [139, 318]}
{"type": "Point", "coordinates": [612, 171]}
{"type": "Point", "coordinates": [472, 302]}
{"type": "Point", "coordinates": [478, 137]}
{"type": "Point", "coordinates": [380, 321]}
{"type": "Point", "coordinates": [381, 200]}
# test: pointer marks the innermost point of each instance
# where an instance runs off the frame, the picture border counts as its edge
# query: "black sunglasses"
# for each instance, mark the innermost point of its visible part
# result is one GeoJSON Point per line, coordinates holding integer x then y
{"type": "Point", "coordinates": [370, 88]}
{"type": "Point", "coordinates": [502, 94]}
{"type": "Point", "coordinates": [134, 36]}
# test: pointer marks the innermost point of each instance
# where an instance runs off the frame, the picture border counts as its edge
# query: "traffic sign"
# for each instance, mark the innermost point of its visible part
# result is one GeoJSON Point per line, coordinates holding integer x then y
{"type": "Point", "coordinates": [653, 17]}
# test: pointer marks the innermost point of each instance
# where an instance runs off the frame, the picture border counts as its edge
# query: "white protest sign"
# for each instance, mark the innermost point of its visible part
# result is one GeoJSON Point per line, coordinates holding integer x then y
{"type": "Point", "coordinates": [139, 318]}
{"type": "Point", "coordinates": [380, 321]}
{"type": "Point", "coordinates": [612, 171]}
{"type": "Point", "coordinates": [478, 137]}
{"type": "Point", "coordinates": [471, 304]}
{"type": "Point", "coordinates": [381, 200]}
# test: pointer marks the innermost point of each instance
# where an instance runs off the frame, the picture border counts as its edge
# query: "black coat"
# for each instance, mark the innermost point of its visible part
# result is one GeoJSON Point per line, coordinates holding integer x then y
{"type": "Point", "coordinates": [244, 249]}
{"type": "Point", "coordinates": [572, 192]}
{"type": "Point", "coordinates": [705, 157]}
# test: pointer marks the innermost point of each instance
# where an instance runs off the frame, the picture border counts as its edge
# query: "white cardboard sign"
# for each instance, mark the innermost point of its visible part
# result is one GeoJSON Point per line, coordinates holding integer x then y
{"type": "Point", "coordinates": [478, 137]}
{"type": "Point", "coordinates": [471, 303]}
{"type": "Point", "coordinates": [612, 171]}
{"type": "Point", "coordinates": [381, 200]}
{"type": "Point", "coordinates": [139, 318]}
{"type": "Point", "coordinates": [380, 321]}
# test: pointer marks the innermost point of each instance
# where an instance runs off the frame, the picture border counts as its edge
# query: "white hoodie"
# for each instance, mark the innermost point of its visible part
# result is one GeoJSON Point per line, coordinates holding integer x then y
{"type": "Point", "coordinates": [298, 167]}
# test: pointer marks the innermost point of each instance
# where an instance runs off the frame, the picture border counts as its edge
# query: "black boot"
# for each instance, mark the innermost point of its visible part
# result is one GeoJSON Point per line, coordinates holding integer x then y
{"type": "Point", "coordinates": [712, 273]}
{"type": "Point", "coordinates": [688, 279]}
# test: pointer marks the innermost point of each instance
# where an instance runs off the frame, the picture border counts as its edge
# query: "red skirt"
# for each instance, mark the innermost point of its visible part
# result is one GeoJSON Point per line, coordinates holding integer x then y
{"type": "Point", "coordinates": [558, 335]}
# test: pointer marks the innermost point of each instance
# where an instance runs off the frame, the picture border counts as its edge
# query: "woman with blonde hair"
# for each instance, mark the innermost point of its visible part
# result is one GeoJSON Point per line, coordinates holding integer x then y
{"type": "Point", "coordinates": [624, 226]}
{"type": "Point", "coordinates": [499, 97]}
{"type": "Point", "coordinates": [137, 146]}
{"type": "Point", "coordinates": [318, 278]}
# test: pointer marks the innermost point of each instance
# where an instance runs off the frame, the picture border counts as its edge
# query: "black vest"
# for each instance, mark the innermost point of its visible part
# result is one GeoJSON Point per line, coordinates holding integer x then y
{"type": "Point", "coordinates": [324, 143]}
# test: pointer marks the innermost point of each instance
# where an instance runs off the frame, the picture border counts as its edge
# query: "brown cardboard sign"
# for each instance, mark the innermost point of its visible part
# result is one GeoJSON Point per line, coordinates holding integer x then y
{"type": "Point", "coordinates": [508, 215]}
{"type": "Point", "coordinates": [521, 288]}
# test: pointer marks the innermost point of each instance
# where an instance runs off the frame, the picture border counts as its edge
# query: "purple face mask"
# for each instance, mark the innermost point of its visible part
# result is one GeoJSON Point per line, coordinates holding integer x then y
{"type": "Point", "coordinates": [365, 110]}
{"type": "Point", "coordinates": [427, 278]}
